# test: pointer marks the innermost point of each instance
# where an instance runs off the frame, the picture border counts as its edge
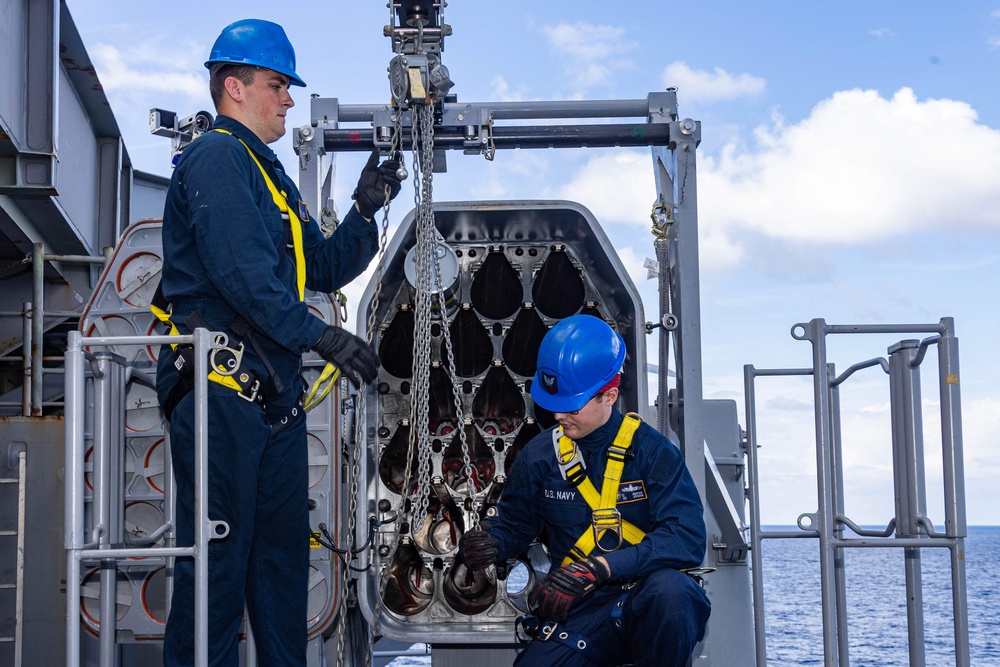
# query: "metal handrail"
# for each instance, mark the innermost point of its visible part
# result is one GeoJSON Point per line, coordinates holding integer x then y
{"type": "Point", "coordinates": [913, 530]}
{"type": "Point", "coordinates": [75, 538]}
{"type": "Point", "coordinates": [34, 315]}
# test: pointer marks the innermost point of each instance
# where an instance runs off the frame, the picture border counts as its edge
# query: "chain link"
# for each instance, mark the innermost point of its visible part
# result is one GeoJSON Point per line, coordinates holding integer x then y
{"type": "Point", "coordinates": [13, 265]}
{"type": "Point", "coordinates": [359, 442]}
{"type": "Point", "coordinates": [428, 269]}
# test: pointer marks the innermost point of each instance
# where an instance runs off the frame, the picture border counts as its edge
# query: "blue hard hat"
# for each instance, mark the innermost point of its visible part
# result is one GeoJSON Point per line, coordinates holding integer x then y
{"type": "Point", "coordinates": [577, 357]}
{"type": "Point", "coordinates": [259, 43]}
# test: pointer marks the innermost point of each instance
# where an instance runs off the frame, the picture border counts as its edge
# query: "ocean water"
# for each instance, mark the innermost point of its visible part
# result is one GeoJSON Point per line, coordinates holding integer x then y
{"type": "Point", "coordinates": [876, 592]}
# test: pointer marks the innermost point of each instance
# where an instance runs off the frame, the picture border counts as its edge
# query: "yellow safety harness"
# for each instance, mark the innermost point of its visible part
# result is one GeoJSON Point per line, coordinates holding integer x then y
{"type": "Point", "coordinates": [281, 200]}
{"type": "Point", "coordinates": [226, 362]}
{"type": "Point", "coordinates": [604, 505]}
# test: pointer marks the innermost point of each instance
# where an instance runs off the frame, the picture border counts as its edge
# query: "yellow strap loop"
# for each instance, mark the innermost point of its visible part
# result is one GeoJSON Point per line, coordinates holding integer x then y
{"type": "Point", "coordinates": [224, 380]}
{"type": "Point", "coordinates": [322, 387]}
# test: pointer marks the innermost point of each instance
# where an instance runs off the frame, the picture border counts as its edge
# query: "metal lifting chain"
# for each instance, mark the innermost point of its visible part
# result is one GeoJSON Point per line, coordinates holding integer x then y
{"type": "Point", "coordinates": [359, 441]}
{"type": "Point", "coordinates": [422, 127]}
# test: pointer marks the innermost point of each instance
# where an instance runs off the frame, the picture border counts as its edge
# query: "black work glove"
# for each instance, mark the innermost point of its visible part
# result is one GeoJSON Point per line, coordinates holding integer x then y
{"type": "Point", "coordinates": [375, 177]}
{"type": "Point", "coordinates": [478, 549]}
{"type": "Point", "coordinates": [352, 355]}
{"type": "Point", "coordinates": [554, 596]}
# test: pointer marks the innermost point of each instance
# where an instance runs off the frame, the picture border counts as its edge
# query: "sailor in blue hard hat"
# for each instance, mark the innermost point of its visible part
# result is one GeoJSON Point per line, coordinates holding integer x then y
{"type": "Point", "coordinates": [239, 251]}
{"type": "Point", "coordinates": [251, 67]}
{"type": "Point", "coordinates": [256, 42]}
{"type": "Point", "coordinates": [613, 502]}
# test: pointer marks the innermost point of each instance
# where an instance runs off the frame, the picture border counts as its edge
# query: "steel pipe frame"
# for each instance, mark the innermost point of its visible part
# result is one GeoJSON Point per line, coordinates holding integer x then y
{"type": "Point", "coordinates": [32, 390]}
{"type": "Point", "coordinates": [635, 108]}
{"type": "Point", "coordinates": [815, 332]}
{"type": "Point", "coordinates": [908, 478]}
{"type": "Point", "coordinates": [750, 374]}
{"type": "Point", "coordinates": [75, 537]}
{"type": "Point", "coordinates": [674, 161]}
{"type": "Point", "coordinates": [835, 543]}
{"type": "Point", "coordinates": [518, 136]}
{"type": "Point", "coordinates": [108, 429]}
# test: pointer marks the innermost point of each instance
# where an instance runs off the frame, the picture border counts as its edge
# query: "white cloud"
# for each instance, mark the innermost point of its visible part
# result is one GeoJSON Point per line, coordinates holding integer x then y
{"type": "Point", "coordinates": [719, 85]}
{"type": "Point", "coordinates": [502, 92]}
{"type": "Point", "coordinates": [980, 424]}
{"type": "Point", "coordinates": [861, 168]}
{"type": "Point", "coordinates": [592, 53]}
{"type": "Point", "coordinates": [144, 70]}
{"type": "Point", "coordinates": [882, 33]}
{"type": "Point", "coordinates": [616, 186]}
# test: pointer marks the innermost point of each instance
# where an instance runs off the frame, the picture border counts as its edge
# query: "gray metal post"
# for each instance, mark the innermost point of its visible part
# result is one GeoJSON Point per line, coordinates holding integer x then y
{"type": "Point", "coordinates": [687, 295]}
{"type": "Point", "coordinates": [27, 314]}
{"type": "Point", "coordinates": [756, 558]}
{"type": "Point", "coordinates": [37, 328]}
{"type": "Point", "coordinates": [954, 482]}
{"type": "Point", "coordinates": [817, 331]}
{"type": "Point", "coordinates": [839, 566]}
{"type": "Point", "coordinates": [73, 502]}
{"type": "Point", "coordinates": [750, 374]}
{"type": "Point", "coordinates": [107, 502]}
{"type": "Point", "coordinates": [203, 526]}
{"type": "Point", "coordinates": [908, 476]}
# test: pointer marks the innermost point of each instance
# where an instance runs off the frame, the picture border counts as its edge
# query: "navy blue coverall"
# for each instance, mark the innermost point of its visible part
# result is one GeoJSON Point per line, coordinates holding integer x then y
{"type": "Point", "coordinates": [225, 254]}
{"type": "Point", "coordinates": [659, 619]}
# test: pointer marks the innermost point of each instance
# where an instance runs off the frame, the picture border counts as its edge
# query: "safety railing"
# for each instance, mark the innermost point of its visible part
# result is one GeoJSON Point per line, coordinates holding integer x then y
{"type": "Point", "coordinates": [910, 529]}
{"type": "Point", "coordinates": [105, 544]}
{"type": "Point", "coordinates": [34, 314]}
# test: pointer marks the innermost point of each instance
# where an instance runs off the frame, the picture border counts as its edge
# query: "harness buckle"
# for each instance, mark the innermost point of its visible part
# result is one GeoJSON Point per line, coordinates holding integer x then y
{"type": "Point", "coordinates": [252, 396]}
{"type": "Point", "coordinates": [230, 362]}
{"type": "Point", "coordinates": [607, 520]}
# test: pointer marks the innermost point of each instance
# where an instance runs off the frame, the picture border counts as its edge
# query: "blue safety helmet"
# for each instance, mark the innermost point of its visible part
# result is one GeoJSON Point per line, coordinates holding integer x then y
{"type": "Point", "coordinates": [577, 357]}
{"type": "Point", "coordinates": [259, 43]}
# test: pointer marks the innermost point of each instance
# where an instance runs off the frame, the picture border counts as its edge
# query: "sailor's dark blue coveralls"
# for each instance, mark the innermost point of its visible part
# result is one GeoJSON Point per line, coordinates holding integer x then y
{"type": "Point", "coordinates": [657, 621]}
{"type": "Point", "coordinates": [225, 254]}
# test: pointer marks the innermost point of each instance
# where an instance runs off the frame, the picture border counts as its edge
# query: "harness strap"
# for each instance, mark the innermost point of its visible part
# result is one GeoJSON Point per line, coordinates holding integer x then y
{"type": "Point", "coordinates": [537, 629]}
{"type": "Point", "coordinates": [603, 505]}
{"type": "Point", "coordinates": [281, 200]}
{"type": "Point", "coordinates": [226, 363]}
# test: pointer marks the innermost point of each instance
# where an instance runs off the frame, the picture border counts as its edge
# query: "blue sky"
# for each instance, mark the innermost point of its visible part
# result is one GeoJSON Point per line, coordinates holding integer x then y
{"type": "Point", "coordinates": [849, 170]}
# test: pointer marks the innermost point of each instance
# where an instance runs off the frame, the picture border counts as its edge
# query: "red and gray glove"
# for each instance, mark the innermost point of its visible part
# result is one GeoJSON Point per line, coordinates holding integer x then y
{"type": "Point", "coordinates": [563, 588]}
{"type": "Point", "coordinates": [478, 549]}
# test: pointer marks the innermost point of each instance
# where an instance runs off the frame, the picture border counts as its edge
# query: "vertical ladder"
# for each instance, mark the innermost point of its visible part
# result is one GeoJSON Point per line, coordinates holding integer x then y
{"type": "Point", "coordinates": [11, 557]}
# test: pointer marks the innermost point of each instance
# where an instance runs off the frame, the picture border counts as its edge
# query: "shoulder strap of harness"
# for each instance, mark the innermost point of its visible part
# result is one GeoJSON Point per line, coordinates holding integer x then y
{"type": "Point", "coordinates": [605, 515]}
{"type": "Point", "coordinates": [281, 200]}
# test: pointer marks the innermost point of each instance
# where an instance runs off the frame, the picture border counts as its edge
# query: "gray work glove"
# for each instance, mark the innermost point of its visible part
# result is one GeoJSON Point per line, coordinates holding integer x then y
{"type": "Point", "coordinates": [375, 177]}
{"type": "Point", "coordinates": [352, 355]}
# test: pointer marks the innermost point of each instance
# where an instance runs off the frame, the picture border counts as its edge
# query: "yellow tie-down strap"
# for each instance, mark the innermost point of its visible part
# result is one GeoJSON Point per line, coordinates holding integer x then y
{"type": "Point", "coordinates": [226, 380]}
{"type": "Point", "coordinates": [606, 516]}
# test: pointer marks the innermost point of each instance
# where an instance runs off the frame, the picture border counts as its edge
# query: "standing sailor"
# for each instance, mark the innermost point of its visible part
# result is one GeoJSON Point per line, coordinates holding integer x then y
{"type": "Point", "coordinates": [614, 503]}
{"type": "Point", "coordinates": [239, 250]}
